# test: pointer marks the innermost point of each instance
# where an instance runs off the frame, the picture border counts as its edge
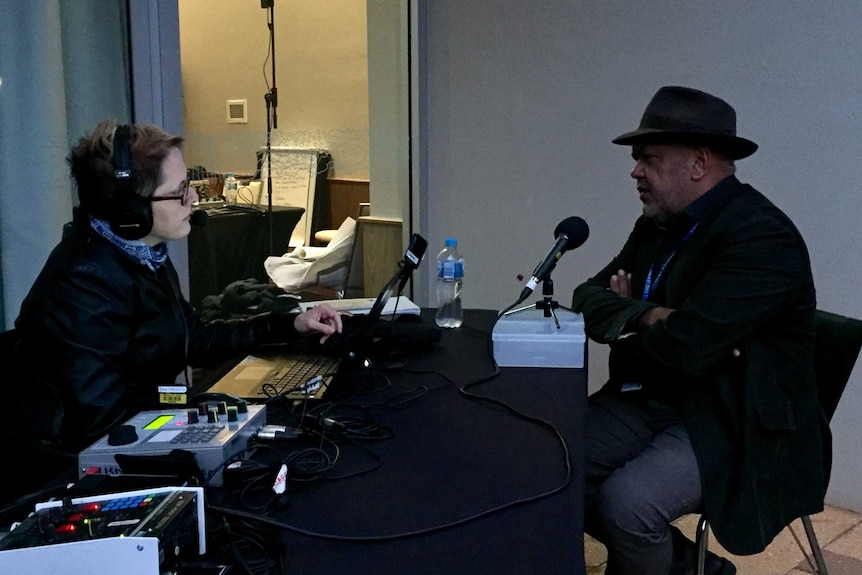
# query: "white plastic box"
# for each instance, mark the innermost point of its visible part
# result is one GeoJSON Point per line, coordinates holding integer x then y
{"type": "Point", "coordinates": [529, 339]}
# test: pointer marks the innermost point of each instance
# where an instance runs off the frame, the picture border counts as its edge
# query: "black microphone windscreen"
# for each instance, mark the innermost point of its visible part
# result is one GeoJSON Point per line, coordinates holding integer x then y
{"type": "Point", "coordinates": [199, 218]}
{"type": "Point", "coordinates": [574, 228]}
{"type": "Point", "coordinates": [415, 251]}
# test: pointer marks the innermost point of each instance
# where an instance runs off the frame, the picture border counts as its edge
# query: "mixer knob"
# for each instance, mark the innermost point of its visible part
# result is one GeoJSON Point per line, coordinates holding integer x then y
{"type": "Point", "coordinates": [122, 435]}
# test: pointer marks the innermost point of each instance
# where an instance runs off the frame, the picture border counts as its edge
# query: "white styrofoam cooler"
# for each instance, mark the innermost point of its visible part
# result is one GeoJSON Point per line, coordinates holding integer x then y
{"type": "Point", "coordinates": [529, 339]}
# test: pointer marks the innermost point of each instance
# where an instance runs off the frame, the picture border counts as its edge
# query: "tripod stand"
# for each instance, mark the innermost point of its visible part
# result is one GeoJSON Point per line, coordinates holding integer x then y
{"type": "Point", "coordinates": [548, 304]}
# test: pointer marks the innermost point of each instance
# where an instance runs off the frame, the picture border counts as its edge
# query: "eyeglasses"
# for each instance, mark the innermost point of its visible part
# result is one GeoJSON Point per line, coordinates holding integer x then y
{"type": "Point", "coordinates": [182, 194]}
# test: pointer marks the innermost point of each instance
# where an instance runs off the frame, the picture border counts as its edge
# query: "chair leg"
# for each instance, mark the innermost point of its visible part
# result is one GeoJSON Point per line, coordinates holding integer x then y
{"type": "Point", "coordinates": [815, 546]}
{"type": "Point", "coordinates": [702, 539]}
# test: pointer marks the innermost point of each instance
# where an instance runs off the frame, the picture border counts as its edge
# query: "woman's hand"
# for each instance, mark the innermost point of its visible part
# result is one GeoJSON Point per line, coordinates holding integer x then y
{"type": "Point", "coordinates": [321, 318]}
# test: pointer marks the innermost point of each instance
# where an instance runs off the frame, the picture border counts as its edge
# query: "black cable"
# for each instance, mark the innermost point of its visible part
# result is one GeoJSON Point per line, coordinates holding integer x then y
{"type": "Point", "coordinates": [255, 550]}
{"type": "Point", "coordinates": [251, 481]}
{"type": "Point", "coordinates": [405, 398]}
{"type": "Point", "coordinates": [333, 428]}
{"type": "Point", "coordinates": [377, 463]}
{"type": "Point", "coordinates": [310, 464]}
{"type": "Point", "coordinates": [451, 524]}
{"type": "Point", "coordinates": [328, 422]}
{"type": "Point", "coordinates": [354, 429]}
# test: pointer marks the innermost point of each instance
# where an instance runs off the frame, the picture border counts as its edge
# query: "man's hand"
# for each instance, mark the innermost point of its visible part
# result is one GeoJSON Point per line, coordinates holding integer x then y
{"type": "Point", "coordinates": [621, 284]}
{"type": "Point", "coordinates": [652, 316]}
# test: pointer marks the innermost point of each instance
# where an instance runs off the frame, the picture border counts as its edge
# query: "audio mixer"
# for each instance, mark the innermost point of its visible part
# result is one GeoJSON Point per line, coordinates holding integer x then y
{"type": "Point", "coordinates": [212, 434]}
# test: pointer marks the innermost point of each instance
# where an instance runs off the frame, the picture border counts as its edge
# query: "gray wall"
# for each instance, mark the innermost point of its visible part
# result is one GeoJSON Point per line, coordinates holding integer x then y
{"type": "Point", "coordinates": [522, 99]}
{"type": "Point", "coordinates": [58, 78]}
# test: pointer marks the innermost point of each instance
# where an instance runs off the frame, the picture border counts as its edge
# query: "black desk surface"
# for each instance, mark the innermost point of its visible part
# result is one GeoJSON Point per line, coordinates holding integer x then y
{"type": "Point", "coordinates": [233, 245]}
{"type": "Point", "coordinates": [464, 485]}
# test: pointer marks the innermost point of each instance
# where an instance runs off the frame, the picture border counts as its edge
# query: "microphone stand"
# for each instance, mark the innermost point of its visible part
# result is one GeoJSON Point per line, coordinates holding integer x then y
{"type": "Point", "coordinates": [271, 98]}
{"type": "Point", "coordinates": [548, 304]}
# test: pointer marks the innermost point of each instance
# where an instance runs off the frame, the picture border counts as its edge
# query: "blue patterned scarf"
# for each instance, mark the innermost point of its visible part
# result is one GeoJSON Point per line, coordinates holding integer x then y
{"type": "Point", "coordinates": [152, 257]}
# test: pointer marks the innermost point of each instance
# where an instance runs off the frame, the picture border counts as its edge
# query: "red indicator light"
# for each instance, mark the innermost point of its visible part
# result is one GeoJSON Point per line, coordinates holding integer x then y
{"type": "Point", "coordinates": [66, 528]}
{"type": "Point", "coordinates": [90, 507]}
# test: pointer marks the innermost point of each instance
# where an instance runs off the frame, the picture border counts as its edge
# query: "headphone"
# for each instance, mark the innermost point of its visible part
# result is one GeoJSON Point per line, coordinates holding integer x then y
{"type": "Point", "coordinates": [130, 215]}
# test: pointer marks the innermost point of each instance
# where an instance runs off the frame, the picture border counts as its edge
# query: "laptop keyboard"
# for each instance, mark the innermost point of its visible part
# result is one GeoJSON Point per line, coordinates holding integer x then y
{"type": "Point", "coordinates": [296, 378]}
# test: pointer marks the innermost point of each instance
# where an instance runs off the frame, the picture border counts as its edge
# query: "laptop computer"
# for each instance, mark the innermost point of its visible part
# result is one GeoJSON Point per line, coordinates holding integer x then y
{"type": "Point", "coordinates": [306, 372]}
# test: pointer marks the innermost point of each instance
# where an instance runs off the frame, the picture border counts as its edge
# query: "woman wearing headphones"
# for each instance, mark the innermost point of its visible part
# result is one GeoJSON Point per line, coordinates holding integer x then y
{"type": "Point", "coordinates": [105, 327]}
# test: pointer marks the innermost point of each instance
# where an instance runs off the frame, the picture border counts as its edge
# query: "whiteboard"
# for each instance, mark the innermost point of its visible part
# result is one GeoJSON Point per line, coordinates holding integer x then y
{"type": "Point", "coordinates": [294, 177]}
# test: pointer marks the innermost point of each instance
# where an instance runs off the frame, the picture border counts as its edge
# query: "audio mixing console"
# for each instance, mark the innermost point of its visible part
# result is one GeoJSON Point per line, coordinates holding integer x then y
{"type": "Point", "coordinates": [213, 434]}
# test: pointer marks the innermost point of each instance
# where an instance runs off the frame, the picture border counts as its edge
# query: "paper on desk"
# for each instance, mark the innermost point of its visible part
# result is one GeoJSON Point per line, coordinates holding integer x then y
{"type": "Point", "coordinates": [362, 305]}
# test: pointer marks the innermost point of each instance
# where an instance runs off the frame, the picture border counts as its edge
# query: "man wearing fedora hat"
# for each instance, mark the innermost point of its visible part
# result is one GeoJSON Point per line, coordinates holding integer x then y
{"type": "Point", "coordinates": [708, 310]}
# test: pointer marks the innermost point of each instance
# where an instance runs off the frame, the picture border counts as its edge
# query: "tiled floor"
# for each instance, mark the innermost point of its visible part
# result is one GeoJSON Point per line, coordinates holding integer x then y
{"type": "Point", "coordinates": [839, 532]}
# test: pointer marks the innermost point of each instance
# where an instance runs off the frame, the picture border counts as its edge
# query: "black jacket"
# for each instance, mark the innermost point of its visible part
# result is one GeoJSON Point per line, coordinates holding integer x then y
{"type": "Point", "coordinates": [99, 332]}
{"type": "Point", "coordinates": [740, 283]}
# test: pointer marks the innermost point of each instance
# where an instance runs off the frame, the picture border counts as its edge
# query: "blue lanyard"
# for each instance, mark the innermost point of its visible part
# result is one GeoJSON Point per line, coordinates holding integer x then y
{"type": "Point", "coordinates": [650, 281]}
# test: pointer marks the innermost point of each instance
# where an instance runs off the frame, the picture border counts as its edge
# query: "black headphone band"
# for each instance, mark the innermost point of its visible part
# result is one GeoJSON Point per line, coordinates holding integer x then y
{"type": "Point", "coordinates": [131, 216]}
{"type": "Point", "coordinates": [122, 161]}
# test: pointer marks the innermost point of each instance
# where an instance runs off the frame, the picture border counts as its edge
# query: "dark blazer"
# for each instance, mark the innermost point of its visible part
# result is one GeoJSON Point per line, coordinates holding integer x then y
{"type": "Point", "coordinates": [736, 355]}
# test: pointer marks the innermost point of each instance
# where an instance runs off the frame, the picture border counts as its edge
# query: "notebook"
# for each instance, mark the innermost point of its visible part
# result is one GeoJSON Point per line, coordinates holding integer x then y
{"type": "Point", "coordinates": [307, 374]}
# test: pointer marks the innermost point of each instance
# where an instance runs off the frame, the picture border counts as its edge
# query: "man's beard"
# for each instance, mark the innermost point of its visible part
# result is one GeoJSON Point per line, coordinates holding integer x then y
{"type": "Point", "coordinates": [657, 215]}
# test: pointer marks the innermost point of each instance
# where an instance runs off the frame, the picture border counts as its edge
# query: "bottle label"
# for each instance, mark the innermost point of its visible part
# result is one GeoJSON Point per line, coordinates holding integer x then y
{"type": "Point", "coordinates": [450, 269]}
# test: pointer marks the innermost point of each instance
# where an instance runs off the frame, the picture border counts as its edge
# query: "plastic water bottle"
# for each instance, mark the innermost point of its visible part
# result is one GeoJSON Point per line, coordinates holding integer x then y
{"type": "Point", "coordinates": [231, 188]}
{"type": "Point", "coordinates": [450, 280]}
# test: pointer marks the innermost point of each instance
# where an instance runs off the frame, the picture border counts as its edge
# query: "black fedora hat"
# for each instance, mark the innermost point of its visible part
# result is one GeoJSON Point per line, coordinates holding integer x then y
{"type": "Point", "coordinates": [690, 116]}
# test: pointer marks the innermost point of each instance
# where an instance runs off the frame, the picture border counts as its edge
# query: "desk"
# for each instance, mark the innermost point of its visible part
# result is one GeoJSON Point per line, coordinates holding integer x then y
{"type": "Point", "coordinates": [451, 458]}
{"type": "Point", "coordinates": [233, 245]}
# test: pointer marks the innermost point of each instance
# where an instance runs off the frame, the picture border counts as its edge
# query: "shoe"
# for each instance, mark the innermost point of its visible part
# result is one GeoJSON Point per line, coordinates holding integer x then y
{"type": "Point", "coordinates": [685, 558]}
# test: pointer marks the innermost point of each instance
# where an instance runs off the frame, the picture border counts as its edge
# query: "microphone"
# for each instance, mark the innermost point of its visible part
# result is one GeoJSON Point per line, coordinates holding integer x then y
{"type": "Point", "coordinates": [571, 233]}
{"type": "Point", "coordinates": [415, 251]}
{"type": "Point", "coordinates": [412, 258]}
{"type": "Point", "coordinates": [199, 218]}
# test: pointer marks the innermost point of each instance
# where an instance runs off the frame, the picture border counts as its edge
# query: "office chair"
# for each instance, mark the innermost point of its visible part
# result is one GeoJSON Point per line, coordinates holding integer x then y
{"type": "Point", "coordinates": [312, 268]}
{"type": "Point", "coordinates": [838, 340]}
{"type": "Point", "coordinates": [323, 237]}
